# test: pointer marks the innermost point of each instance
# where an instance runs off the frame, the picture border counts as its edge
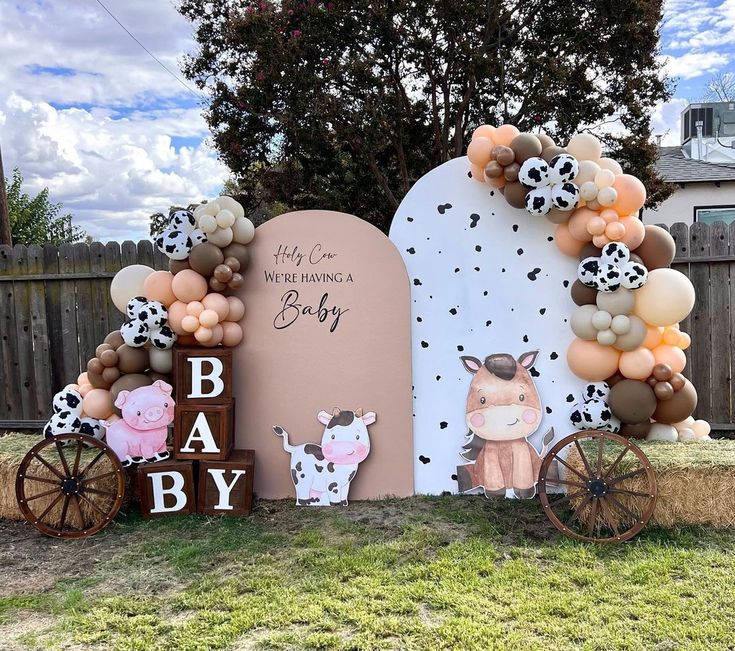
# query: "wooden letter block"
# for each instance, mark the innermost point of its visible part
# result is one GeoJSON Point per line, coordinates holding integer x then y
{"type": "Point", "coordinates": [203, 375]}
{"type": "Point", "coordinates": [203, 431]}
{"type": "Point", "coordinates": [226, 487]}
{"type": "Point", "coordinates": [166, 488]}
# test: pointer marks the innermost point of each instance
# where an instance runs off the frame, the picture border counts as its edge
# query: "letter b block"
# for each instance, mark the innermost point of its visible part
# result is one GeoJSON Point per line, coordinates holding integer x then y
{"type": "Point", "coordinates": [166, 488]}
{"type": "Point", "coordinates": [226, 487]}
{"type": "Point", "coordinates": [203, 431]}
{"type": "Point", "coordinates": [203, 375]}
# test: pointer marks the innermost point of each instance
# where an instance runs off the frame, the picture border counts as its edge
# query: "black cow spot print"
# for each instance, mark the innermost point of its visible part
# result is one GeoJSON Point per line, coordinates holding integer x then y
{"type": "Point", "coordinates": [474, 218]}
{"type": "Point", "coordinates": [330, 467]}
{"type": "Point", "coordinates": [532, 275]}
{"type": "Point", "coordinates": [542, 311]}
{"type": "Point", "coordinates": [332, 487]}
{"type": "Point", "coordinates": [409, 219]}
{"type": "Point", "coordinates": [318, 467]}
{"type": "Point", "coordinates": [460, 348]}
{"type": "Point", "coordinates": [534, 372]}
{"type": "Point", "coordinates": [419, 319]}
{"type": "Point", "coordinates": [443, 207]}
{"type": "Point", "coordinates": [548, 410]}
{"type": "Point", "coordinates": [519, 251]}
{"type": "Point", "coordinates": [565, 283]}
{"type": "Point", "coordinates": [453, 311]}
{"type": "Point", "coordinates": [554, 355]}
{"type": "Point", "coordinates": [515, 228]}
{"type": "Point", "coordinates": [525, 339]}
{"type": "Point", "coordinates": [443, 424]}
{"type": "Point", "coordinates": [295, 477]}
{"type": "Point", "coordinates": [416, 282]}
{"type": "Point", "coordinates": [298, 466]}
{"type": "Point", "coordinates": [424, 344]}
{"type": "Point", "coordinates": [424, 459]}
{"type": "Point", "coordinates": [570, 398]}
{"type": "Point", "coordinates": [478, 248]}
{"type": "Point", "coordinates": [488, 323]}
{"type": "Point", "coordinates": [411, 250]}
{"type": "Point", "coordinates": [438, 377]}
{"type": "Point", "coordinates": [456, 269]}
{"type": "Point", "coordinates": [454, 477]}
{"type": "Point", "coordinates": [538, 203]}
{"type": "Point", "coordinates": [477, 268]}
{"type": "Point", "coordinates": [484, 293]}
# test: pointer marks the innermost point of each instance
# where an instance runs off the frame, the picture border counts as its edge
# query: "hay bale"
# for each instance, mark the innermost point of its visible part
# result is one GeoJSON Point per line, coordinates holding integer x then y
{"type": "Point", "coordinates": [696, 481]}
{"type": "Point", "coordinates": [13, 447]}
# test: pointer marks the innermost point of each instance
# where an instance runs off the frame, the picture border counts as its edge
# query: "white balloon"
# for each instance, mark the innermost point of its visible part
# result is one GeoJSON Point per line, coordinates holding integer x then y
{"type": "Point", "coordinates": [225, 219]}
{"type": "Point", "coordinates": [662, 432]}
{"type": "Point", "coordinates": [207, 223]}
{"type": "Point", "coordinates": [228, 203]}
{"type": "Point", "coordinates": [222, 237]}
{"type": "Point", "coordinates": [243, 231]}
{"type": "Point", "coordinates": [128, 283]}
{"type": "Point", "coordinates": [686, 434]}
{"type": "Point", "coordinates": [211, 208]}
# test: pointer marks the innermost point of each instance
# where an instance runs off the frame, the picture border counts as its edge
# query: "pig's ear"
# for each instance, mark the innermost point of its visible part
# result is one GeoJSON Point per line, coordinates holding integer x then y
{"type": "Point", "coordinates": [163, 386]}
{"type": "Point", "coordinates": [471, 364]}
{"type": "Point", "coordinates": [121, 398]}
{"type": "Point", "coordinates": [369, 418]}
{"type": "Point", "coordinates": [324, 417]}
{"type": "Point", "coordinates": [527, 360]}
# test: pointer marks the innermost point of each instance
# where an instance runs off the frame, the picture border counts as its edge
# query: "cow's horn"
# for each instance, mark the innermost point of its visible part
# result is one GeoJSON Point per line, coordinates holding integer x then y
{"type": "Point", "coordinates": [358, 412]}
{"type": "Point", "coordinates": [336, 411]}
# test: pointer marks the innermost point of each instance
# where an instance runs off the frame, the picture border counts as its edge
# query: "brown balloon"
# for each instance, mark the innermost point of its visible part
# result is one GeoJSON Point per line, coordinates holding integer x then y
{"type": "Point", "coordinates": [636, 258]}
{"type": "Point", "coordinates": [236, 281]}
{"type": "Point", "coordinates": [132, 360]}
{"type": "Point", "coordinates": [589, 250]}
{"type": "Point", "coordinates": [652, 381]}
{"type": "Point", "coordinates": [94, 365]}
{"type": "Point", "coordinates": [639, 431]}
{"type": "Point", "coordinates": [216, 286]}
{"type": "Point", "coordinates": [511, 172]}
{"type": "Point", "coordinates": [556, 216]}
{"type": "Point", "coordinates": [545, 140]}
{"type": "Point", "coordinates": [233, 263]}
{"type": "Point", "coordinates": [111, 374]}
{"type": "Point", "coordinates": [97, 380]}
{"type": "Point", "coordinates": [101, 349]}
{"type": "Point", "coordinates": [114, 339]}
{"type": "Point", "coordinates": [525, 146]}
{"type": "Point", "coordinates": [662, 372]}
{"type": "Point", "coordinates": [128, 383]}
{"type": "Point", "coordinates": [515, 194]}
{"type": "Point", "coordinates": [549, 152]}
{"type": "Point", "coordinates": [504, 155]}
{"type": "Point", "coordinates": [614, 379]}
{"type": "Point", "coordinates": [493, 169]}
{"type": "Point", "coordinates": [108, 358]}
{"type": "Point", "coordinates": [679, 407]}
{"type": "Point", "coordinates": [677, 381]}
{"type": "Point", "coordinates": [632, 401]}
{"type": "Point", "coordinates": [205, 258]}
{"type": "Point", "coordinates": [663, 390]}
{"type": "Point", "coordinates": [154, 377]}
{"type": "Point", "coordinates": [657, 249]}
{"type": "Point", "coordinates": [583, 295]}
{"type": "Point", "coordinates": [174, 266]}
{"type": "Point", "coordinates": [223, 273]}
{"type": "Point", "coordinates": [239, 251]}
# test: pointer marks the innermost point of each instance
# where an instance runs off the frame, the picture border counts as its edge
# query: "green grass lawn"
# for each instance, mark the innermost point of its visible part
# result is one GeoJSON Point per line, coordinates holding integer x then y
{"type": "Point", "coordinates": [419, 573]}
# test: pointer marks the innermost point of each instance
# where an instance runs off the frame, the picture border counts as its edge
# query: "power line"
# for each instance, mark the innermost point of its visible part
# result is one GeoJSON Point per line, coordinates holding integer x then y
{"type": "Point", "coordinates": [150, 54]}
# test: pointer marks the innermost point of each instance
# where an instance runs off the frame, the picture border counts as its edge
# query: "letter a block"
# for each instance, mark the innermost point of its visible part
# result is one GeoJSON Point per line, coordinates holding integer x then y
{"type": "Point", "coordinates": [166, 488]}
{"type": "Point", "coordinates": [203, 431]}
{"type": "Point", "coordinates": [226, 487]}
{"type": "Point", "coordinates": [203, 375]}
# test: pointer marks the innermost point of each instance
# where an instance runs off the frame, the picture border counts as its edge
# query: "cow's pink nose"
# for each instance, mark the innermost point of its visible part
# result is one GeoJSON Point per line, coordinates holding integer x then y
{"type": "Point", "coordinates": [529, 416]}
{"type": "Point", "coordinates": [154, 413]}
{"type": "Point", "coordinates": [477, 420]}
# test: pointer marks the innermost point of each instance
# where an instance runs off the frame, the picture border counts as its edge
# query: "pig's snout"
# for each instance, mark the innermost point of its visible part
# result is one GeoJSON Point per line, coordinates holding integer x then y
{"type": "Point", "coordinates": [477, 419]}
{"type": "Point", "coordinates": [153, 414]}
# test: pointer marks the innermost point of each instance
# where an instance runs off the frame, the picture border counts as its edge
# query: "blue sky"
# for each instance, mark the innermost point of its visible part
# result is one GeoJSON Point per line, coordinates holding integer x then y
{"type": "Point", "coordinates": [85, 111]}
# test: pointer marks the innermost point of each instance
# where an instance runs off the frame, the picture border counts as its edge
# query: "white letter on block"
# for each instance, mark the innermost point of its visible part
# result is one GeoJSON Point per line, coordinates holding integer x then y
{"type": "Point", "coordinates": [159, 491]}
{"type": "Point", "coordinates": [201, 426]}
{"type": "Point", "coordinates": [215, 377]}
{"type": "Point", "coordinates": [224, 489]}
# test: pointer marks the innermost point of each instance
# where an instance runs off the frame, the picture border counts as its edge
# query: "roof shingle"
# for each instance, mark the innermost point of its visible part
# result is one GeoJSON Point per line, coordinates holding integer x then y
{"type": "Point", "coordinates": [674, 167]}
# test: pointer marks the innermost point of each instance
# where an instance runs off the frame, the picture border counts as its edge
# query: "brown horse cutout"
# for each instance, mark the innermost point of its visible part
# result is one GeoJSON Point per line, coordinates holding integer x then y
{"type": "Point", "coordinates": [503, 410]}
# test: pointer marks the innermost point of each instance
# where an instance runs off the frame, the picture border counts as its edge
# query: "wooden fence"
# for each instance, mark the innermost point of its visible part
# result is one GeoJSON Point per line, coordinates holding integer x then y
{"type": "Point", "coordinates": [55, 310]}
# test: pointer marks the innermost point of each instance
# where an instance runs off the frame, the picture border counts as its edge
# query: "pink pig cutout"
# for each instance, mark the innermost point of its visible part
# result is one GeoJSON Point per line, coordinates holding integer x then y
{"type": "Point", "coordinates": [140, 435]}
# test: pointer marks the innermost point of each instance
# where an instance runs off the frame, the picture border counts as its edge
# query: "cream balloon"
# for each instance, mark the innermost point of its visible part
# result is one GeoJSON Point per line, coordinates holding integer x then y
{"type": "Point", "coordinates": [211, 208]}
{"type": "Point", "coordinates": [587, 171]}
{"type": "Point", "coordinates": [225, 219]}
{"type": "Point", "coordinates": [666, 298]}
{"type": "Point", "coordinates": [222, 237]}
{"type": "Point", "coordinates": [610, 164]}
{"type": "Point", "coordinates": [584, 146]}
{"type": "Point", "coordinates": [128, 283]}
{"type": "Point", "coordinates": [161, 361]}
{"type": "Point", "coordinates": [662, 432]}
{"type": "Point", "coordinates": [243, 231]}
{"type": "Point", "coordinates": [228, 203]}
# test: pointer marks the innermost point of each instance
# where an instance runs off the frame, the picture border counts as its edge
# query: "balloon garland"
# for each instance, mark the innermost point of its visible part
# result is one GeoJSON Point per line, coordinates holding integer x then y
{"type": "Point", "coordinates": [627, 344]}
{"type": "Point", "coordinates": [207, 252]}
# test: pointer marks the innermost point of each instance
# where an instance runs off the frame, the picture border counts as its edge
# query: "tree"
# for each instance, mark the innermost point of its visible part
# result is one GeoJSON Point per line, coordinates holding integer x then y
{"type": "Point", "coordinates": [720, 88]}
{"type": "Point", "coordinates": [158, 221]}
{"type": "Point", "coordinates": [35, 220]}
{"type": "Point", "coordinates": [345, 104]}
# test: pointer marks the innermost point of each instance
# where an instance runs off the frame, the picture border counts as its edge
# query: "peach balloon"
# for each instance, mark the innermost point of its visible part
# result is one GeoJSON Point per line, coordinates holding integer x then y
{"type": "Point", "coordinates": [637, 364]}
{"type": "Point", "coordinates": [195, 308]}
{"type": "Point", "coordinates": [478, 173]}
{"type": "Point", "coordinates": [604, 178]}
{"type": "Point", "coordinates": [610, 164]}
{"type": "Point", "coordinates": [479, 150]}
{"type": "Point", "coordinates": [671, 355]}
{"type": "Point", "coordinates": [208, 319]}
{"type": "Point", "coordinates": [671, 336]}
{"type": "Point", "coordinates": [567, 244]}
{"type": "Point", "coordinates": [596, 226]}
{"type": "Point", "coordinates": [157, 287]}
{"type": "Point", "coordinates": [609, 215]}
{"type": "Point", "coordinates": [504, 134]}
{"type": "Point", "coordinates": [667, 297]}
{"type": "Point", "coordinates": [600, 240]}
{"type": "Point", "coordinates": [653, 338]}
{"type": "Point", "coordinates": [684, 341]}
{"type": "Point", "coordinates": [231, 334]}
{"type": "Point", "coordinates": [592, 361]}
{"type": "Point", "coordinates": [176, 312]}
{"type": "Point", "coordinates": [98, 403]}
{"type": "Point", "coordinates": [82, 379]}
{"type": "Point", "coordinates": [85, 388]}
{"type": "Point", "coordinates": [203, 335]}
{"type": "Point", "coordinates": [237, 308]}
{"type": "Point", "coordinates": [635, 232]}
{"type": "Point", "coordinates": [615, 230]}
{"type": "Point", "coordinates": [483, 131]}
{"type": "Point", "coordinates": [188, 286]}
{"type": "Point", "coordinates": [631, 195]}
{"type": "Point", "coordinates": [189, 323]}
{"type": "Point", "coordinates": [217, 334]}
{"type": "Point", "coordinates": [578, 224]}
{"type": "Point", "coordinates": [218, 303]}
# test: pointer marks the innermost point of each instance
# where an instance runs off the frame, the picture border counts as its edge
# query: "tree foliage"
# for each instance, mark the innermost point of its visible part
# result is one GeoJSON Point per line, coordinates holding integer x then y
{"type": "Point", "coordinates": [35, 220]}
{"type": "Point", "coordinates": [344, 105]}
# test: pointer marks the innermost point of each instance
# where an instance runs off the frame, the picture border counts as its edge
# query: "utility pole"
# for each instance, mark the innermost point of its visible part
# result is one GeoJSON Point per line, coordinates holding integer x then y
{"type": "Point", "coordinates": [5, 236]}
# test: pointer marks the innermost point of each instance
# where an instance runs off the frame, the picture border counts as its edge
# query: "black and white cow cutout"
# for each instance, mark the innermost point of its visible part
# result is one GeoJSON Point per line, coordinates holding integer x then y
{"type": "Point", "coordinates": [484, 277]}
{"type": "Point", "coordinates": [322, 473]}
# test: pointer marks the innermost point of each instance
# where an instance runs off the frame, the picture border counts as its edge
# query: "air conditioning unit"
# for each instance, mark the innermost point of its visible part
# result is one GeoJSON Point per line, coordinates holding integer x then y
{"type": "Point", "coordinates": [716, 118]}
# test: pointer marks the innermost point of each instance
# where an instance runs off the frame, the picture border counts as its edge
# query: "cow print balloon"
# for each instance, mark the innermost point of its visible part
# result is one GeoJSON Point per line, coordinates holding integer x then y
{"type": "Point", "coordinates": [563, 168]}
{"type": "Point", "coordinates": [134, 306]}
{"type": "Point", "coordinates": [163, 338]}
{"type": "Point", "coordinates": [615, 253]}
{"type": "Point", "coordinates": [65, 422]}
{"type": "Point", "coordinates": [635, 275]}
{"type": "Point", "coordinates": [184, 221]}
{"type": "Point", "coordinates": [153, 314]}
{"type": "Point", "coordinates": [538, 201]}
{"type": "Point", "coordinates": [608, 278]}
{"type": "Point", "coordinates": [68, 400]}
{"type": "Point", "coordinates": [596, 390]}
{"type": "Point", "coordinates": [197, 237]}
{"type": "Point", "coordinates": [135, 333]}
{"type": "Point", "coordinates": [565, 196]}
{"type": "Point", "coordinates": [594, 414]}
{"type": "Point", "coordinates": [92, 427]}
{"type": "Point", "coordinates": [534, 173]}
{"type": "Point", "coordinates": [174, 244]}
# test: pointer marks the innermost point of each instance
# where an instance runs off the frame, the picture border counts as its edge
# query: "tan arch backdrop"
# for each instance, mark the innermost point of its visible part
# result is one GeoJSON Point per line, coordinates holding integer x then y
{"type": "Point", "coordinates": [327, 325]}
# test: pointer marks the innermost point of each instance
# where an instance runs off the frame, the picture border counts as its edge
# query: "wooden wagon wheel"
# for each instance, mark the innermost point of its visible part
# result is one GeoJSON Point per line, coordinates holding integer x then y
{"type": "Point", "coordinates": [64, 495]}
{"type": "Point", "coordinates": [609, 490]}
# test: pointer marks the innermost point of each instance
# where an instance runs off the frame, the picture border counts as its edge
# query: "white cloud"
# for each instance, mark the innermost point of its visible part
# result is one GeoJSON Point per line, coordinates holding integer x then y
{"type": "Point", "coordinates": [694, 64]}
{"type": "Point", "coordinates": [665, 121]}
{"type": "Point", "coordinates": [87, 113]}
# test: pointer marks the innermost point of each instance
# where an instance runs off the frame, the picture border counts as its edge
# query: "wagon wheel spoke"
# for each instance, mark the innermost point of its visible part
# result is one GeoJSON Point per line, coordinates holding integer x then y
{"type": "Point", "coordinates": [64, 511]}
{"type": "Point", "coordinates": [578, 510]}
{"type": "Point", "coordinates": [96, 477]}
{"type": "Point", "coordinates": [593, 516]}
{"type": "Point", "coordinates": [62, 458]}
{"type": "Point", "coordinates": [627, 475]}
{"type": "Point", "coordinates": [600, 448]}
{"type": "Point", "coordinates": [615, 463]}
{"type": "Point", "coordinates": [97, 491]}
{"type": "Point", "coordinates": [568, 497]}
{"type": "Point", "coordinates": [92, 463]}
{"type": "Point", "coordinates": [44, 494]}
{"type": "Point", "coordinates": [627, 492]}
{"type": "Point", "coordinates": [50, 506]}
{"type": "Point", "coordinates": [565, 482]}
{"type": "Point", "coordinates": [574, 470]}
{"type": "Point", "coordinates": [92, 504]}
{"type": "Point", "coordinates": [48, 465]}
{"type": "Point", "coordinates": [584, 458]}
{"type": "Point", "coordinates": [609, 517]}
{"type": "Point", "coordinates": [82, 520]}
{"type": "Point", "coordinates": [77, 459]}
{"type": "Point", "coordinates": [621, 507]}
{"type": "Point", "coordinates": [43, 480]}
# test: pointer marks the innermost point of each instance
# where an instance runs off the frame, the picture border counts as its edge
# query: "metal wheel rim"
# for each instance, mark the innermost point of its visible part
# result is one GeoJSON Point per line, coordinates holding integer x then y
{"type": "Point", "coordinates": [603, 502]}
{"type": "Point", "coordinates": [73, 484]}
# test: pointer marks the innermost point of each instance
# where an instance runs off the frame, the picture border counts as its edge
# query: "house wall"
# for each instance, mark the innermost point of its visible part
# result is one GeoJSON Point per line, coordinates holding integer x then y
{"type": "Point", "coordinates": [679, 207]}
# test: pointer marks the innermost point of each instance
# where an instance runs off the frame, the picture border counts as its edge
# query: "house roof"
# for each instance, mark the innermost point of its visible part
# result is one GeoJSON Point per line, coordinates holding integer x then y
{"type": "Point", "coordinates": [673, 166]}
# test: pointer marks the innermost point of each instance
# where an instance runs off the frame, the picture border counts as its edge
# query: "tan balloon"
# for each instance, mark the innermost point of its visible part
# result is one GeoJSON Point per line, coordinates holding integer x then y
{"type": "Point", "coordinates": [621, 301]}
{"type": "Point", "coordinates": [634, 337]}
{"type": "Point", "coordinates": [666, 298]}
{"type": "Point", "coordinates": [581, 322]}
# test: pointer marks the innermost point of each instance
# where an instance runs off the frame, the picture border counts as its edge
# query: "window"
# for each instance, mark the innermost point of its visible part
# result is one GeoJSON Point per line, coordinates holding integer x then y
{"type": "Point", "coordinates": [710, 214]}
